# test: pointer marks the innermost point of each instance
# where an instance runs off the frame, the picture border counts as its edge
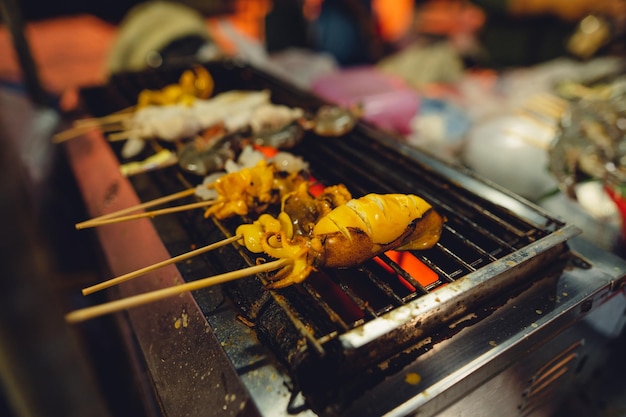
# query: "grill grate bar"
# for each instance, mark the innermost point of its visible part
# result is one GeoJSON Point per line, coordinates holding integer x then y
{"type": "Point", "coordinates": [419, 288]}
{"type": "Point", "coordinates": [384, 287]}
{"type": "Point", "coordinates": [325, 339]}
{"type": "Point", "coordinates": [478, 232]}
{"type": "Point", "coordinates": [412, 177]}
{"type": "Point", "coordinates": [332, 314]}
{"type": "Point", "coordinates": [368, 312]}
{"type": "Point", "coordinates": [439, 192]}
{"type": "Point", "coordinates": [457, 258]}
{"type": "Point", "coordinates": [440, 272]}
{"type": "Point", "coordinates": [491, 216]}
{"type": "Point", "coordinates": [299, 324]}
{"type": "Point", "coordinates": [471, 244]}
{"type": "Point", "coordinates": [368, 288]}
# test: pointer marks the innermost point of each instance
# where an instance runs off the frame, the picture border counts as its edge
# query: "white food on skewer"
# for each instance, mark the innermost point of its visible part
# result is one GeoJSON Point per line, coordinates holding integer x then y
{"type": "Point", "coordinates": [230, 108]}
{"type": "Point", "coordinates": [178, 121]}
{"type": "Point", "coordinates": [273, 117]}
{"type": "Point", "coordinates": [168, 123]}
{"type": "Point", "coordinates": [248, 158]}
{"type": "Point", "coordinates": [132, 147]}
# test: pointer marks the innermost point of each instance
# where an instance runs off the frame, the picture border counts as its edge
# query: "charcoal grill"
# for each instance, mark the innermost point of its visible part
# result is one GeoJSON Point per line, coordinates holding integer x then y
{"type": "Point", "coordinates": [510, 309]}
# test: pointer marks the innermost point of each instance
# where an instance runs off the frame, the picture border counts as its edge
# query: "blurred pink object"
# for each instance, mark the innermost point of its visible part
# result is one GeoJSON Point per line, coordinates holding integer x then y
{"type": "Point", "coordinates": [387, 101]}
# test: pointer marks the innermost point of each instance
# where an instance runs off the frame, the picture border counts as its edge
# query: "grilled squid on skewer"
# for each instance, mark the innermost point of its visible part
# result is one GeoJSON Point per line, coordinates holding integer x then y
{"type": "Point", "coordinates": [304, 210]}
{"type": "Point", "coordinates": [251, 190]}
{"type": "Point", "coordinates": [348, 235]}
{"type": "Point", "coordinates": [247, 191]}
{"type": "Point", "coordinates": [300, 210]}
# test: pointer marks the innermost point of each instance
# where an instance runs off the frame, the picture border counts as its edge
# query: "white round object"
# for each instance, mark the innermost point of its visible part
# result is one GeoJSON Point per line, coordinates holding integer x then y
{"type": "Point", "coordinates": [512, 152]}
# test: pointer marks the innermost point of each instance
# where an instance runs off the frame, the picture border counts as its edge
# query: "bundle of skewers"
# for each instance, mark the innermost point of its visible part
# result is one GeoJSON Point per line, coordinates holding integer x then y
{"type": "Point", "coordinates": [236, 140]}
{"type": "Point", "coordinates": [206, 131]}
{"type": "Point", "coordinates": [194, 84]}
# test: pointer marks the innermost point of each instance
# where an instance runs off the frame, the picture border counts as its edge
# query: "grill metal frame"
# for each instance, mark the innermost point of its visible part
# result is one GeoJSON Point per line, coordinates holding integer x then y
{"type": "Point", "coordinates": [531, 239]}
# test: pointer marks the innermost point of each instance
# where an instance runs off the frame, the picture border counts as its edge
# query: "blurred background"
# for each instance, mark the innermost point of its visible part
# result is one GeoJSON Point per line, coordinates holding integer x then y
{"type": "Point", "coordinates": [501, 87]}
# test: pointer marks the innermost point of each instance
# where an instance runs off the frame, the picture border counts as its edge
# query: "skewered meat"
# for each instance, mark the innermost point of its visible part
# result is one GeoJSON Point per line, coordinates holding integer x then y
{"type": "Point", "coordinates": [251, 190]}
{"type": "Point", "coordinates": [348, 235]}
{"type": "Point", "coordinates": [210, 151]}
{"type": "Point", "coordinates": [304, 210]}
{"type": "Point", "coordinates": [179, 121]}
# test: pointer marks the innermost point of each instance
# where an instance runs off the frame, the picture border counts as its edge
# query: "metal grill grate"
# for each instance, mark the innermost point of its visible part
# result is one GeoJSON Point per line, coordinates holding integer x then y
{"type": "Point", "coordinates": [491, 239]}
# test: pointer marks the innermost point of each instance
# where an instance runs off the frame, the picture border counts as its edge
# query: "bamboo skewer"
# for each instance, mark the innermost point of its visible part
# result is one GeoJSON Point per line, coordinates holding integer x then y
{"type": "Point", "coordinates": [179, 258]}
{"type": "Point", "coordinates": [161, 200]}
{"type": "Point", "coordinates": [145, 298]}
{"type": "Point", "coordinates": [75, 131]}
{"type": "Point", "coordinates": [151, 214]}
{"type": "Point", "coordinates": [109, 123]}
{"type": "Point", "coordinates": [120, 136]}
{"type": "Point", "coordinates": [104, 120]}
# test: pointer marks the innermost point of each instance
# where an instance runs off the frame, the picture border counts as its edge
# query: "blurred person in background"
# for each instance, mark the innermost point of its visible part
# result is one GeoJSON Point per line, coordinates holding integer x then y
{"type": "Point", "coordinates": [348, 30]}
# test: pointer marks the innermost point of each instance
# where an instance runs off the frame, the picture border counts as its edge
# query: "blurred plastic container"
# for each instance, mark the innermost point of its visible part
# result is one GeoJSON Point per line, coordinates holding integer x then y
{"type": "Point", "coordinates": [386, 101]}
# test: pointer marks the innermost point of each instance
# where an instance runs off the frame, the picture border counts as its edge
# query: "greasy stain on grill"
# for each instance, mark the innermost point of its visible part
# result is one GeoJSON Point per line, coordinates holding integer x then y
{"type": "Point", "coordinates": [111, 193]}
{"type": "Point", "coordinates": [303, 324]}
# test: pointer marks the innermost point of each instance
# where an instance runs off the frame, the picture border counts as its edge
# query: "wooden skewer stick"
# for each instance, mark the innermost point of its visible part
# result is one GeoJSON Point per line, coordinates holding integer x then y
{"type": "Point", "coordinates": [108, 123]}
{"type": "Point", "coordinates": [161, 200]}
{"type": "Point", "coordinates": [104, 120]}
{"type": "Point", "coordinates": [179, 258]}
{"type": "Point", "coordinates": [153, 213]}
{"type": "Point", "coordinates": [76, 131]}
{"type": "Point", "coordinates": [145, 298]}
{"type": "Point", "coordinates": [120, 136]}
